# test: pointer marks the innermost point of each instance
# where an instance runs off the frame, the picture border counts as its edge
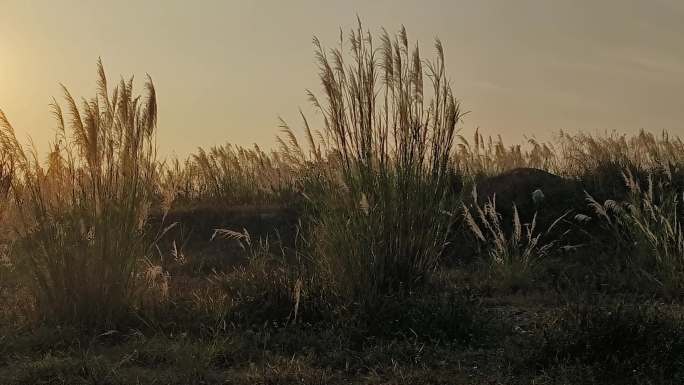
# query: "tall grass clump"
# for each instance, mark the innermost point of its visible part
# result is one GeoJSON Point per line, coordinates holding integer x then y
{"type": "Point", "coordinates": [380, 226]}
{"type": "Point", "coordinates": [81, 219]}
{"type": "Point", "coordinates": [646, 227]}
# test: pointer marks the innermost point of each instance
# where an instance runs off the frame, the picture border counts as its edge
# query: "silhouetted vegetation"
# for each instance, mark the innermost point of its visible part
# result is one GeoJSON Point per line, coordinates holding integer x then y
{"type": "Point", "coordinates": [386, 247]}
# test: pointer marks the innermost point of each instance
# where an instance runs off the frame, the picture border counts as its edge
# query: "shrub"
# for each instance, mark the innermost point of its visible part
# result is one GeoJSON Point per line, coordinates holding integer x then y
{"type": "Point", "coordinates": [81, 219]}
{"type": "Point", "coordinates": [271, 288]}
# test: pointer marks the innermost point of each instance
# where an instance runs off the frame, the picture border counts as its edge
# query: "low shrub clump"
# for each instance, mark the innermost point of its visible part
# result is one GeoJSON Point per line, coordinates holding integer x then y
{"type": "Point", "coordinates": [266, 289]}
{"type": "Point", "coordinates": [512, 256]}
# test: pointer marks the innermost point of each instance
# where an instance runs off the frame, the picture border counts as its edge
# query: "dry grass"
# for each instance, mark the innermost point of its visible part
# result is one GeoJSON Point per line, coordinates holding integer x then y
{"type": "Point", "coordinates": [646, 230]}
{"type": "Point", "coordinates": [513, 257]}
{"type": "Point", "coordinates": [377, 183]}
{"type": "Point", "coordinates": [233, 175]}
{"type": "Point", "coordinates": [387, 151]}
{"type": "Point", "coordinates": [80, 221]}
{"type": "Point", "coordinates": [574, 155]}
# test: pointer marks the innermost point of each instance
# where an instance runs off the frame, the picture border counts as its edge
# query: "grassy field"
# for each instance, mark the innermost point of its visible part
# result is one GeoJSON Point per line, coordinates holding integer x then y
{"type": "Point", "coordinates": [385, 247]}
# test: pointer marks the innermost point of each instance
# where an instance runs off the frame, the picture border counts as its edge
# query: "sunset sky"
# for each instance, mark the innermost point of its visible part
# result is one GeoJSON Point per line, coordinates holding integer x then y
{"type": "Point", "coordinates": [225, 70]}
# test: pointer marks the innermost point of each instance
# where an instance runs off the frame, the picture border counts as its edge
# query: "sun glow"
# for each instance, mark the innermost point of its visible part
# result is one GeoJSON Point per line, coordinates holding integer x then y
{"type": "Point", "coordinates": [6, 59]}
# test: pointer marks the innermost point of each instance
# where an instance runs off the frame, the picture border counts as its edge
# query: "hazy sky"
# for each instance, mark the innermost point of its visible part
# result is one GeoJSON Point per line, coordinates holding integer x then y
{"type": "Point", "coordinates": [225, 70]}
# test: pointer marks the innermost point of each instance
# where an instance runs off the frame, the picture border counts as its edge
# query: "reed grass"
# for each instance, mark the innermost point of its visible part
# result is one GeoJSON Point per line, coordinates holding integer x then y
{"type": "Point", "coordinates": [597, 161]}
{"type": "Point", "coordinates": [81, 219]}
{"type": "Point", "coordinates": [234, 175]}
{"type": "Point", "coordinates": [646, 227]}
{"type": "Point", "coordinates": [379, 225]}
{"type": "Point", "coordinates": [513, 257]}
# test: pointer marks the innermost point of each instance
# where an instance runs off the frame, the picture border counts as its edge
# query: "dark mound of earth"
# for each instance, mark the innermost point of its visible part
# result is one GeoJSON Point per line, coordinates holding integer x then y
{"type": "Point", "coordinates": [193, 229]}
{"type": "Point", "coordinates": [532, 191]}
{"type": "Point", "coordinates": [555, 195]}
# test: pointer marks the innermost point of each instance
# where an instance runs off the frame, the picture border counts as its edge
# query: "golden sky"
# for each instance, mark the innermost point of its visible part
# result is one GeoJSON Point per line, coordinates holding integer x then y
{"type": "Point", "coordinates": [225, 70]}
